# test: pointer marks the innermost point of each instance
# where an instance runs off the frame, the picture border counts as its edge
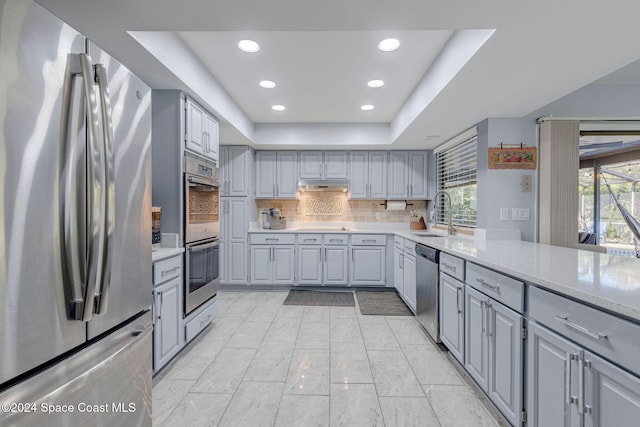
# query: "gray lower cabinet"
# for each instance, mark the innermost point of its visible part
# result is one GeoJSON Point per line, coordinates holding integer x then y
{"type": "Point", "coordinates": [452, 315]}
{"type": "Point", "coordinates": [310, 265]}
{"type": "Point", "coordinates": [272, 265]}
{"type": "Point", "coordinates": [409, 280]}
{"type": "Point", "coordinates": [233, 240]}
{"type": "Point", "coordinates": [336, 265]}
{"type": "Point", "coordinates": [475, 333]}
{"type": "Point", "coordinates": [398, 274]}
{"type": "Point", "coordinates": [571, 386]}
{"type": "Point", "coordinates": [166, 330]}
{"type": "Point", "coordinates": [368, 265]}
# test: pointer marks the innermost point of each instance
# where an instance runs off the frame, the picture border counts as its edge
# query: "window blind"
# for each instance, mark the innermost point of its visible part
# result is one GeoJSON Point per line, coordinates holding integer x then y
{"type": "Point", "coordinates": [457, 175]}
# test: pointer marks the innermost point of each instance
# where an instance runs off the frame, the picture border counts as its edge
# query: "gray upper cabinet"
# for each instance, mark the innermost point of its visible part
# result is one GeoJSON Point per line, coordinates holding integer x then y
{"type": "Point", "coordinates": [408, 175]}
{"type": "Point", "coordinates": [201, 131]}
{"type": "Point", "coordinates": [398, 178]}
{"type": "Point", "coordinates": [235, 170]}
{"type": "Point", "coordinates": [276, 175]}
{"type": "Point", "coordinates": [234, 214]}
{"type": "Point", "coordinates": [417, 175]}
{"type": "Point", "coordinates": [323, 165]}
{"type": "Point", "coordinates": [368, 174]}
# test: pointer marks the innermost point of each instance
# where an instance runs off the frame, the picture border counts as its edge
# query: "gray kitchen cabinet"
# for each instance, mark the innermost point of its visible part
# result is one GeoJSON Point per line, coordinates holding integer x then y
{"type": "Point", "coordinates": [398, 177]}
{"type": "Point", "coordinates": [417, 175]}
{"type": "Point", "coordinates": [367, 175]}
{"type": "Point", "coordinates": [310, 265]}
{"type": "Point", "coordinates": [398, 274]}
{"type": "Point", "coordinates": [323, 165]}
{"type": "Point", "coordinates": [336, 262]}
{"type": "Point", "coordinates": [272, 265]}
{"type": "Point", "coordinates": [409, 280]}
{"type": "Point", "coordinates": [452, 315]}
{"type": "Point", "coordinates": [167, 339]}
{"type": "Point", "coordinates": [276, 175]}
{"type": "Point", "coordinates": [475, 333]}
{"type": "Point", "coordinates": [234, 213]}
{"type": "Point", "coordinates": [551, 360]}
{"type": "Point", "coordinates": [368, 265]}
{"type": "Point", "coordinates": [235, 171]}
{"type": "Point", "coordinates": [201, 131]}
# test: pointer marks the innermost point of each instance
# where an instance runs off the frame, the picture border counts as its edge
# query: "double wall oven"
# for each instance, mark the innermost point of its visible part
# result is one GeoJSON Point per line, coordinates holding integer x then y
{"type": "Point", "coordinates": [202, 232]}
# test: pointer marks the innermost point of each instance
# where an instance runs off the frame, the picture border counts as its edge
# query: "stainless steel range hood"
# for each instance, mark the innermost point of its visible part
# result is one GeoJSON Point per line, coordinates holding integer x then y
{"type": "Point", "coordinates": [323, 185]}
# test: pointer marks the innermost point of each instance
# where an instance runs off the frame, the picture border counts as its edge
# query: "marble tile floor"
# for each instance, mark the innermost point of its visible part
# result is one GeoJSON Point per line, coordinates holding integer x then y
{"type": "Point", "coordinates": [265, 364]}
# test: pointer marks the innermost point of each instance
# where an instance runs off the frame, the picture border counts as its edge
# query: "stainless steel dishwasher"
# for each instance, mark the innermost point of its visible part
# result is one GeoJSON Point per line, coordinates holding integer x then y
{"type": "Point", "coordinates": [427, 289]}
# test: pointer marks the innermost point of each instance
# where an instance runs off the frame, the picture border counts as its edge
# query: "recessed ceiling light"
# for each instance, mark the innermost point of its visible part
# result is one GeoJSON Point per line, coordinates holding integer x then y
{"type": "Point", "coordinates": [388, 45]}
{"type": "Point", "coordinates": [248, 46]}
{"type": "Point", "coordinates": [267, 84]}
{"type": "Point", "coordinates": [367, 107]}
{"type": "Point", "coordinates": [278, 107]}
{"type": "Point", "coordinates": [375, 83]}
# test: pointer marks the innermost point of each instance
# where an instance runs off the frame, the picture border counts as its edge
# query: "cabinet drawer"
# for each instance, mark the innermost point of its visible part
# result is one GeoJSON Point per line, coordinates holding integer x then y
{"type": "Point", "coordinates": [273, 239]}
{"type": "Point", "coordinates": [167, 269]}
{"type": "Point", "coordinates": [336, 239]}
{"type": "Point", "coordinates": [309, 239]}
{"type": "Point", "coordinates": [501, 288]}
{"type": "Point", "coordinates": [198, 323]}
{"type": "Point", "coordinates": [452, 265]}
{"type": "Point", "coordinates": [603, 333]}
{"type": "Point", "coordinates": [409, 246]}
{"type": "Point", "coordinates": [398, 242]}
{"type": "Point", "coordinates": [368, 239]}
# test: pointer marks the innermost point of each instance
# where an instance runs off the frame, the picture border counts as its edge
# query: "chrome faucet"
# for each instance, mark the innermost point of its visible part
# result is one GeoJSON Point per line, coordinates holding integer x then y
{"type": "Point", "coordinates": [450, 228]}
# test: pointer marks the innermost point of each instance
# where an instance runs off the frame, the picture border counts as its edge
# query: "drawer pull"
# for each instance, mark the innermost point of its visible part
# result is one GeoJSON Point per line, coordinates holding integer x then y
{"type": "Point", "coordinates": [487, 285]}
{"type": "Point", "coordinates": [309, 240]}
{"type": "Point", "coordinates": [595, 335]}
{"type": "Point", "coordinates": [272, 239]}
{"type": "Point", "coordinates": [165, 272]}
{"type": "Point", "coordinates": [449, 267]}
{"type": "Point", "coordinates": [335, 240]}
{"type": "Point", "coordinates": [368, 240]}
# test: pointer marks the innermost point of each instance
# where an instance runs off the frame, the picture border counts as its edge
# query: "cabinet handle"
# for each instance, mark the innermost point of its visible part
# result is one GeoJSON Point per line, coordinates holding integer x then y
{"type": "Point", "coordinates": [568, 323]}
{"type": "Point", "coordinates": [277, 190]}
{"type": "Point", "coordinates": [411, 193]}
{"type": "Point", "coordinates": [484, 328]}
{"type": "Point", "coordinates": [449, 267]}
{"type": "Point", "coordinates": [567, 378]}
{"type": "Point", "coordinates": [227, 183]}
{"type": "Point", "coordinates": [171, 270]}
{"type": "Point", "coordinates": [489, 317]}
{"type": "Point", "coordinates": [487, 285]}
{"type": "Point", "coordinates": [325, 170]}
{"type": "Point", "coordinates": [458, 301]}
{"type": "Point", "coordinates": [581, 385]}
{"type": "Point", "coordinates": [368, 240]}
{"type": "Point", "coordinates": [160, 308]}
{"type": "Point", "coordinates": [272, 239]}
{"type": "Point", "coordinates": [352, 255]}
{"type": "Point", "coordinates": [401, 262]}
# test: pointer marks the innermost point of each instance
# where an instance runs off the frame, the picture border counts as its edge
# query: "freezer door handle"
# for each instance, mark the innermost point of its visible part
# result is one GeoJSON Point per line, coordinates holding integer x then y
{"type": "Point", "coordinates": [76, 257]}
{"type": "Point", "coordinates": [107, 220]}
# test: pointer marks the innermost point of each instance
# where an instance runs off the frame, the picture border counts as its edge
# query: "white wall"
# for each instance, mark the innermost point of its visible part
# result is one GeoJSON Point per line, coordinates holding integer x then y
{"type": "Point", "coordinates": [322, 135]}
{"type": "Point", "coordinates": [501, 188]}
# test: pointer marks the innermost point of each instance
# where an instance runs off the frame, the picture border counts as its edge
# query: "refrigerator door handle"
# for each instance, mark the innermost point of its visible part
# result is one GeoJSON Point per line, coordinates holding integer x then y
{"type": "Point", "coordinates": [107, 220]}
{"type": "Point", "coordinates": [72, 239]}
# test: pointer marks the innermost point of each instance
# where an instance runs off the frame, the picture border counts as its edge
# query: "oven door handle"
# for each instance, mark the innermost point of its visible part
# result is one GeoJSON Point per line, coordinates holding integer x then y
{"type": "Point", "coordinates": [196, 180]}
{"type": "Point", "coordinates": [203, 247]}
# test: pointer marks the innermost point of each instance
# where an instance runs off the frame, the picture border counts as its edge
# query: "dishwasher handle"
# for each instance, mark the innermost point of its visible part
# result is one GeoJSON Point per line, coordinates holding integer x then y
{"type": "Point", "coordinates": [431, 254]}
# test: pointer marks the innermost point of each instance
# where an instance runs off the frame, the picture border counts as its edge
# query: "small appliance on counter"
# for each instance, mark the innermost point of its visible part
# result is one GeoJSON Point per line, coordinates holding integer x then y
{"type": "Point", "coordinates": [156, 228]}
{"type": "Point", "coordinates": [272, 220]}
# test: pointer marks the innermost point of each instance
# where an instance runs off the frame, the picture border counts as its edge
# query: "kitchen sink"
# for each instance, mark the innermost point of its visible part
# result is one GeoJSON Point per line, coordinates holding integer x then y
{"type": "Point", "coordinates": [423, 234]}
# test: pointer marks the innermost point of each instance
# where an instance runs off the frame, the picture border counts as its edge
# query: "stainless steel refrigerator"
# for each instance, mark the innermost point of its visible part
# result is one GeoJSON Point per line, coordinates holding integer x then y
{"type": "Point", "coordinates": [75, 223]}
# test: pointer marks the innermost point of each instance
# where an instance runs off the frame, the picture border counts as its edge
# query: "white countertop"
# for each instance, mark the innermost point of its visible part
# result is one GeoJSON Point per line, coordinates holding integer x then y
{"type": "Point", "coordinates": [611, 282]}
{"type": "Point", "coordinates": [169, 248]}
{"type": "Point", "coordinates": [608, 281]}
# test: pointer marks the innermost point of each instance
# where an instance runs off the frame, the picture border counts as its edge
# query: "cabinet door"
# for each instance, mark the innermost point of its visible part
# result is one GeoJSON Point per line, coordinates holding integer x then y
{"type": "Point", "coordinates": [265, 174]}
{"type": "Point", "coordinates": [239, 174]}
{"type": "Point", "coordinates": [612, 396]}
{"type": "Point", "coordinates": [195, 128]}
{"type": "Point", "coordinates": [398, 182]}
{"type": "Point", "coordinates": [310, 265]}
{"type": "Point", "coordinates": [336, 262]}
{"type": "Point", "coordinates": [283, 267]}
{"type": "Point", "coordinates": [238, 219]}
{"type": "Point", "coordinates": [367, 265]}
{"type": "Point", "coordinates": [552, 366]}
{"type": "Point", "coordinates": [398, 274]}
{"type": "Point", "coordinates": [287, 175]}
{"type": "Point", "coordinates": [377, 175]}
{"type": "Point", "coordinates": [211, 135]}
{"type": "Point", "coordinates": [168, 316]}
{"type": "Point", "coordinates": [335, 165]}
{"type": "Point", "coordinates": [358, 175]}
{"type": "Point", "coordinates": [452, 315]}
{"type": "Point", "coordinates": [475, 332]}
{"type": "Point", "coordinates": [261, 258]}
{"type": "Point", "coordinates": [505, 360]}
{"type": "Point", "coordinates": [409, 277]}
{"type": "Point", "coordinates": [237, 262]}
{"type": "Point", "coordinates": [225, 167]}
{"type": "Point", "coordinates": [418, 174]}
{"type": "Point", "coordinates": [311, 166]}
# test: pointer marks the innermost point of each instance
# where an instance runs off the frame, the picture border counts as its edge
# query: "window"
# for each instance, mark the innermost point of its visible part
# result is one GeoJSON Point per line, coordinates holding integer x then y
{"type": "Point", "coordinates": [456, 174]}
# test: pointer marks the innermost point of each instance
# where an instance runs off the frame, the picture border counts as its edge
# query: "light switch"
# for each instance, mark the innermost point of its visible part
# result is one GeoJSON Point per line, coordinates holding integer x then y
{"type": "Point", "coordinates": [520, 214]}
{"type": "Point", "coordinates": [504, 214]}
{"type": "Point", "coordinates": [525, 183]}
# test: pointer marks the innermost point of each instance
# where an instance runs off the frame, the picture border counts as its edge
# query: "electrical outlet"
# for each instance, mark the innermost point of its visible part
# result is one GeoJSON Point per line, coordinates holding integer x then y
{"type": "Point", "coordinates": [432, 215]}
{"type": "Point", "coordinates": [520, 214]}
{"type": "Point", "coordinates": [525, 183]}
{"type": "Point", "coordinates": [504, 214]}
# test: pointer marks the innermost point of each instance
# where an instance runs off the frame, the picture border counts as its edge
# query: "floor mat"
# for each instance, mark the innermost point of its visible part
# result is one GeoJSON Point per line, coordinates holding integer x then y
{"type": "Point", "coordinates": [335, 299]}
{"type": "Point", "coordinates": [382, 304]}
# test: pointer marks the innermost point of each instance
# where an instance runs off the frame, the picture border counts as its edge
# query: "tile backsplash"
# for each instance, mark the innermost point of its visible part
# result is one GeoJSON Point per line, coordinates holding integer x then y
{"type": "Point", "coordinates": [332, 206]}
